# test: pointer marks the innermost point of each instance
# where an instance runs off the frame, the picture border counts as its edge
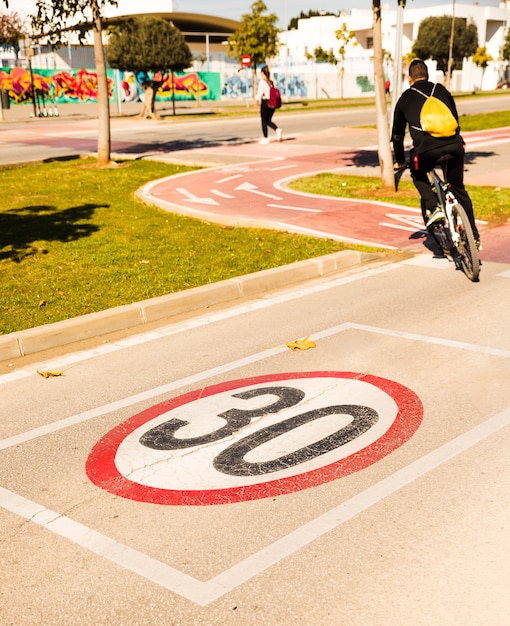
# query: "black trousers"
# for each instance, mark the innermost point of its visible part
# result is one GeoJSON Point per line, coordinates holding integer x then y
{"type": "Point", "coordinates": [422, 163]}
{"type": "Point", "coordinates": [266, 117]}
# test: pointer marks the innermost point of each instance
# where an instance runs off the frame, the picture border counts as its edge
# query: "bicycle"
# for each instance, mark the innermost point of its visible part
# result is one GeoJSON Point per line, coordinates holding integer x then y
{"type": "Point", "coordinates": [453, 234]}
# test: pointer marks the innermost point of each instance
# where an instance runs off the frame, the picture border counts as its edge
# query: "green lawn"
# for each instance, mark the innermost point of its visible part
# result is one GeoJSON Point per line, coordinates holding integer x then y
{"type": "Point", "coordinates": [490, 203]}
{"type": "Point", "coordinates": [74, 240]}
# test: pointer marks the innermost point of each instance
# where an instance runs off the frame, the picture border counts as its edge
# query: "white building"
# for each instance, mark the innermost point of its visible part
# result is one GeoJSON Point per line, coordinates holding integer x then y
{"type": "Point", "coordinates": [320, 31]}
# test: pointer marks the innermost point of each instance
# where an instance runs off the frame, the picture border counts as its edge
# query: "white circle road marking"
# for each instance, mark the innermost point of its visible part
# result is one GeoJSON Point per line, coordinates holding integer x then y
{"type": "Point", "coordinates": [255, 438]}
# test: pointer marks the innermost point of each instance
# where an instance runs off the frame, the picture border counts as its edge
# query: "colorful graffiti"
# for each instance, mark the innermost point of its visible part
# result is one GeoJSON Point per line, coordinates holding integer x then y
{"type": "Point", "coordinates": [191, 86]}
{"type": "Point", "coordinates": [57, 87]}
{"type": "Point", "coordinates": [68, 86]}
{"type": "Point", "coordinates": [238, 85]}
{"type": "Point", "coordinates": [365, 84]}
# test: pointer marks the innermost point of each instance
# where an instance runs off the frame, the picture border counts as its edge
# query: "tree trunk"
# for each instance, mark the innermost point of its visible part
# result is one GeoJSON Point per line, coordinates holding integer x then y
{"type": "Point", "coordinates": [148, 109]}
{"type": "Point", "coordinates": [103, 139]}
{"type": "Point", "coordinates": [383, 133]}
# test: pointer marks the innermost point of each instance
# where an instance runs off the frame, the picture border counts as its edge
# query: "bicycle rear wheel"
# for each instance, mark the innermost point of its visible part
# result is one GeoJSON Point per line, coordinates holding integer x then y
{"type": "Point", "coordinates": [466, 245]}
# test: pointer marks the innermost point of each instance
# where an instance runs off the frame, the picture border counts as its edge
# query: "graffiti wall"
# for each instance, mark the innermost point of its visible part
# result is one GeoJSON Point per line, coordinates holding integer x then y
{"type": "Point", "coordinates": [238, 85]}
{"type": "Point", "coordinates": [52, 85]}
{"type": "Point", "coordinates": [185, 86]}
{"type": "Point", "coordinates": [80, 85]}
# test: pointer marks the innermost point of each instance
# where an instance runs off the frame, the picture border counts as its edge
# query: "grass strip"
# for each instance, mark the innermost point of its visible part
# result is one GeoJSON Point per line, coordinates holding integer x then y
{"type": "Point", "coordinates": [74, 240]}
{"type": "Point", "coordinates": [491, 204]}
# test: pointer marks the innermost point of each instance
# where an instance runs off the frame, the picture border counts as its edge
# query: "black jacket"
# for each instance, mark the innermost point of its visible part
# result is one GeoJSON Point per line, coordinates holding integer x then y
{"type": "Point", "coordinates": [407, 112]}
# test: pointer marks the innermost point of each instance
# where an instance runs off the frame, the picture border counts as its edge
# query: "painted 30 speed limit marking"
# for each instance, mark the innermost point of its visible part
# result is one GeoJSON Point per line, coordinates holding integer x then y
{"type": "Point", "coordinates": [255, 438]}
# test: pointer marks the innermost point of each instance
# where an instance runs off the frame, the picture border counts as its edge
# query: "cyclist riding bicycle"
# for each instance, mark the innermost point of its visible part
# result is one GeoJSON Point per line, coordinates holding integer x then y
{"type": "Point", "coordinates": [427, 149]}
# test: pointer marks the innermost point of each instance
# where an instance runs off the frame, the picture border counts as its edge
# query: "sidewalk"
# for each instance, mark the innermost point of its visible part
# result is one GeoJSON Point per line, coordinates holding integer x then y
{"type": "Point", "coordinates": [89, 110]}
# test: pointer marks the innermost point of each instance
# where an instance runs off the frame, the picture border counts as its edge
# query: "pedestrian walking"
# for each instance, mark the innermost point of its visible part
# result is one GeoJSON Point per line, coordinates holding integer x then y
{"type": "Point", "coordinates": [266, 112]}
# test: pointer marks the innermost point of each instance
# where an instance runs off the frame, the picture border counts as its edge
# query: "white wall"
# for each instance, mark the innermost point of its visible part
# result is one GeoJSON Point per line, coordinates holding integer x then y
{"type": "Point", "coordinates": [320, 31]}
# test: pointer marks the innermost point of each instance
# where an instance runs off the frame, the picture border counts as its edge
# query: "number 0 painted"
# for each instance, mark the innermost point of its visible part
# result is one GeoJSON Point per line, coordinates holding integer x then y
{"type": "Point", "coordinates": [255, 438]}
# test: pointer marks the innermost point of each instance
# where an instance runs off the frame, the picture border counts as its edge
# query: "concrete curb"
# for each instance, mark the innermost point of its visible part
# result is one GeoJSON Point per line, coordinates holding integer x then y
{"type": "Point", "coordinates": [49, 336]}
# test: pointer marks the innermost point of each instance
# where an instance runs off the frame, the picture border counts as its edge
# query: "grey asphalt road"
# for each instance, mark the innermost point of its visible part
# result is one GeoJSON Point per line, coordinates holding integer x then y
{"type": "Point", "coordinates": [206, 473]}
{"type": "Point", "coordinates": [24, 139]}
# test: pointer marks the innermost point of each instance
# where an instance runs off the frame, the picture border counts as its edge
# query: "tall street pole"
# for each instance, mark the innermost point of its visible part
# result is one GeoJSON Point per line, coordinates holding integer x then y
{"type": "Point", "coordinates": [450, 53]}
{"type": "Point", "coordinates": [396, 87]}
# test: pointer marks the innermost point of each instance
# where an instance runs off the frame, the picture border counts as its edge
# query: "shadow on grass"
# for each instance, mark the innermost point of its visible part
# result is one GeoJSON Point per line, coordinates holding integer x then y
{"type": "Point", "coordinates": [21, 228]}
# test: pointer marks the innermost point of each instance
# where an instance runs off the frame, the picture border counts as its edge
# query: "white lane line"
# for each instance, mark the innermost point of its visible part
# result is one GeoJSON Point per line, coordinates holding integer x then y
{"type": "Point", "coordinates": [441, 341]}
{"type": "Point", "coordinates": [306, 534]}
{"type": "Point", "coordinates": [139, 397]}
{"type": "Point", "coordinates": [203, 593]}
{"type": "Point", "coordinates": [290, 166]}
{"type": "Point", "coordinates": [294, 208]}
{"type": "Point", "coordinates": [196, 322]}
{"type": "Point", "coordinates": [228, 178]}
{"type": "Point", "coordinates": [227, 367]}
{"type": "Point", "coordinates": [505, 274]}
{"type": "Point", "coordinates": [221, 194]}
{"type": "Point", "coordinates": [128, 558]}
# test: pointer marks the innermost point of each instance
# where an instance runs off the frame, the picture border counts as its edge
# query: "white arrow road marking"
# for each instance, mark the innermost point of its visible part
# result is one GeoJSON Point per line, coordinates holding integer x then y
{"type": "Point", "coordinates": [254, 189]}
{"type": "Point", "coordinates": [221, 194]}
{"type": "Point", "coordinates": [414, 222]}
{"type": "Point", "coordinates": [192, 198]}
{"type": "Point", "coordinates": [294, 208]}
{"type": "Point", "coordinates": [399, 227]}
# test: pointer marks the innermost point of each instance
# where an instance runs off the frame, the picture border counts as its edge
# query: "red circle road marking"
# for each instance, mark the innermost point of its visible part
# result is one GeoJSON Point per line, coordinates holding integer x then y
{"type": "Point", "coordinates": [400, 408]}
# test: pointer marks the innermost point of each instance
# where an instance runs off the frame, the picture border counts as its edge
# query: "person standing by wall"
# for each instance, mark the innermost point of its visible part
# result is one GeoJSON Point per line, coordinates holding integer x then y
{"type": "Point", "coordinates": [266, 112]}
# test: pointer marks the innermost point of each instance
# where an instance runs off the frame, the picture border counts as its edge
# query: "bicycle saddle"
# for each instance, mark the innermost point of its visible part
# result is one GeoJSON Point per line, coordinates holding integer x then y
{"type": "Point", "coordinates": [443, 160]}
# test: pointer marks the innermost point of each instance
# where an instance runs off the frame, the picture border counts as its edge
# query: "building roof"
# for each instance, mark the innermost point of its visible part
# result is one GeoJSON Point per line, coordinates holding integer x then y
{"type": "Point", "coordinates": [189, 22]}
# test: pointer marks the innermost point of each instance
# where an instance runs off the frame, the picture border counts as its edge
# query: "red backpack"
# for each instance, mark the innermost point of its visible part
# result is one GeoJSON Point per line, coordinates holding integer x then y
{"type": "Point", "coordinates": [275, 98]}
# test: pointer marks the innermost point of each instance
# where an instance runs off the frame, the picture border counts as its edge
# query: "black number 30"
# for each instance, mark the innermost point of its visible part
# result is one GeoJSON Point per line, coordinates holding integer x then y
{"type": "Point", "coordinates": [232, 460]}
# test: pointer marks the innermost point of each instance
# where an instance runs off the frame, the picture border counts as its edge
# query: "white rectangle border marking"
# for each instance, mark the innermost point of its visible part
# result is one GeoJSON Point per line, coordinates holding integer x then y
{"type": "Point", "coordinates": [203, 593]}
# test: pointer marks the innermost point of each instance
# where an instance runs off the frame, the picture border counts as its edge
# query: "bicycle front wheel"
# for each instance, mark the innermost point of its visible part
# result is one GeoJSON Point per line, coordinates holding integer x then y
{"type": "Point", "coordinates": [466, 245]}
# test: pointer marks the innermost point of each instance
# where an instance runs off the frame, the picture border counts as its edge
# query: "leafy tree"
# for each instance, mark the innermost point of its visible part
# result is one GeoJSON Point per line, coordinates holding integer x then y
{"type": "Point", "coordinates": [257, 36]}
{"type": "Point", "coordinates": [322, 56]}
{"type": "Point", "coordinates": [383, 132]}
{"type": "Point", "coordinates": [150, 47]}
{"type": "Point", "coordinates": [481, 58]}
{"type": "Point", "coordinates": [345, 37]}
{"type": "Point", "coordinates": [505, 50]}
{"type": "Point", "coordinates": [433, 41]}
{"type": "Point", "coordinates": [293, 24]}
{"type": "Point", "coordinates": [12, 30]}
{"type": "Point", "coordinates": [54, 22]}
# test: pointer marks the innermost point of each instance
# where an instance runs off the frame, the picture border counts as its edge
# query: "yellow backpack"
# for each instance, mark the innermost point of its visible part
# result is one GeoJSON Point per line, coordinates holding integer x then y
{"type": "Point", "coordinates": [436, 118]}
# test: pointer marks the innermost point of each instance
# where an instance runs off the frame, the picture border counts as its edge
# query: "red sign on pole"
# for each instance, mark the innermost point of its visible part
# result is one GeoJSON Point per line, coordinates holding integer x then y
{"type": "Point", "coordinates": [246, 60]}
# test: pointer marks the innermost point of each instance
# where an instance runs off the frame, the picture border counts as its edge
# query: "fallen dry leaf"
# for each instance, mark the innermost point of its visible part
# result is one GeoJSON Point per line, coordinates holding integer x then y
{"type": "Point", "coordinates": [42, 303]}
{"type": "Point", "coordinates": [301, 344]}
{"type": "Point", "coordinates": [48, 374]}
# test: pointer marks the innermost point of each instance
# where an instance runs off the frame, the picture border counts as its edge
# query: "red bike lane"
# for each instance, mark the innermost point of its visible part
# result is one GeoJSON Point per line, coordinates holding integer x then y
{"type": "Point", "coordinates": [255, 193]}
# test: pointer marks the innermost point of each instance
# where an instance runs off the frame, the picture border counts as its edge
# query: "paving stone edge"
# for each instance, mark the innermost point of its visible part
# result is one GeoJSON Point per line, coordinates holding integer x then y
{"type": "Point", "coordinates": [40, 338]}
